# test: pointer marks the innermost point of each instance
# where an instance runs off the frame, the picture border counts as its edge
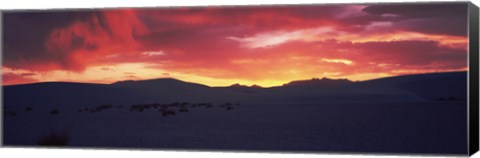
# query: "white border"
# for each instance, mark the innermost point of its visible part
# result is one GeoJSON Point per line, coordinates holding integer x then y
{"type": "Point", "coordinates": [86, 153]}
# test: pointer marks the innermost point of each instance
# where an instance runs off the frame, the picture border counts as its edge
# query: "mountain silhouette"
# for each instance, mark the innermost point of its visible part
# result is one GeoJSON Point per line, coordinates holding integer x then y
{"type": "Point", "coordinates": [408, 88]}
{"type": "Point", "coordinates": [324, 82]}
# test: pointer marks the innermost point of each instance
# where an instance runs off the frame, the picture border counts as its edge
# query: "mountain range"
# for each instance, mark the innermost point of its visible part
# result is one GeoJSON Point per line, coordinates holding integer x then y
{"type": "Point", "coordinates": [407, 88]}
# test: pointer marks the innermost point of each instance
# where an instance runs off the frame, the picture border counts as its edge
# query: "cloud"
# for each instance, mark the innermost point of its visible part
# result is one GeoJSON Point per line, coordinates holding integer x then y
{"type": "Point", "coordinates": [274, 38]}
{"type": "Point", "coordinates": [342, 61]}
{"type": "Point", "coordinates": [107, 69]}
{"type": "Point", "coordinates": [23, 44]}
{"type": "Point", "coordinates": [418, 10]}
{"type": "Point", "coordinates": [154, 53]}
{"type": "Point", "coordinates": [441, 18]}
{"type": "Point", "coordinates": [108, 34]}
{"type": "Point", "coordinates": [11, 79]}
{"type": "Point", "coordinates": [28, 74]}
{"type": "Point", "coordinates": [132, 77]}
{"type": "Point", "coordinates": [72, 44]}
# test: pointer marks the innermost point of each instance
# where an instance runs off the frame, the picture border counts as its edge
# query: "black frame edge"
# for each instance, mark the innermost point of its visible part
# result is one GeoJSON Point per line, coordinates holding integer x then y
{"type": "Point", "coordinates": [473, 109]}
{"type": "Point", "coordinates": [2, 127]}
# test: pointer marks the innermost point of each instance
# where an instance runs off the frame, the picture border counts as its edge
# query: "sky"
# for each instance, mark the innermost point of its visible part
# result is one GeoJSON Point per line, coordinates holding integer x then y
{"type": "Point", "coordinates": [221, 46]}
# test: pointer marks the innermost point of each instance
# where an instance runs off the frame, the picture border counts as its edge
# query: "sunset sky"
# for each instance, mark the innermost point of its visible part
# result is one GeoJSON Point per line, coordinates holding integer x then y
{"type": "Point", "coordinates": [221, 46]}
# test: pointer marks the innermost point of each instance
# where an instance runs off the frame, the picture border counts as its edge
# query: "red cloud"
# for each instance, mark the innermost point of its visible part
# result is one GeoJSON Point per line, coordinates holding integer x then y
{"type": "Point", "coordinates": [83, 42]}
{"type": "Point", "coordinates": [11, 79]}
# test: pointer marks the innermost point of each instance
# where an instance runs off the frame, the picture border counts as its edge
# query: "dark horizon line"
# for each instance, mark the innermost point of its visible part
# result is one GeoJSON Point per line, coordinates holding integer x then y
{"type": "Point", "coordinates": [254, 85]}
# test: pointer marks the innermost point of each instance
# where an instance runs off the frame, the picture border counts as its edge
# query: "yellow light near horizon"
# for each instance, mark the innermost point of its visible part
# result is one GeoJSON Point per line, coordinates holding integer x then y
{"type": "Point", "coordinates": [143, 71]}
{"type": "Point", "coordinates": [104, 74]}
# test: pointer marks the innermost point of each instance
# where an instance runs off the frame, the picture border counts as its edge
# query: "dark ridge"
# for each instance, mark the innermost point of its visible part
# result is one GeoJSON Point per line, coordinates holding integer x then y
{"type": "Point", "coordinates": [319, 82]}
{"type": "Point", "coordinates": [401, 77]}
{"type": "Point", "coordinates": [156, 83]}
{"type": "Point", "coordinates": [237, 85]}
{"type": "Point", "coordinates": [54, 83]}
{"type": "Point", "coordinates": [148, 80]}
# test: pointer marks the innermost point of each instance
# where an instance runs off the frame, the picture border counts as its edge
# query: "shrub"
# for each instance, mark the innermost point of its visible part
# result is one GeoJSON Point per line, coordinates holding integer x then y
{"type": "Point", "coordinates": [12, 113]}
{"type": "Point", "coordinates": [167, 112]}
{"type": "Point", "coordinates": [183, 110]}
{"type": "Point", "coordinates": [54, 138]}
{"type": "Point", "coordinates": [452, 98]}
{"type": "Point", "coordinates": [54, 112]}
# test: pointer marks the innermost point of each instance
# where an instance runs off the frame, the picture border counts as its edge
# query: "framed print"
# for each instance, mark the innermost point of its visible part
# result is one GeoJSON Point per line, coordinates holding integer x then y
{"type": "Point", "coordinates": [390, 78]}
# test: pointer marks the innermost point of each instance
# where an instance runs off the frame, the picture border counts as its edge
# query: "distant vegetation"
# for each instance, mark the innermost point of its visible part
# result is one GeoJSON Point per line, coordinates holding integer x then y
{"type": "Point", "coordinates": [166, 109]}
{"type": "Point", "coordinates": [54, 138]}
{"type": "Point", "coordinates": [449, 98]}
{"type": "Point", "coordinates": [10, 113]}
{"type": "Point", "coordinates": [170, 109]}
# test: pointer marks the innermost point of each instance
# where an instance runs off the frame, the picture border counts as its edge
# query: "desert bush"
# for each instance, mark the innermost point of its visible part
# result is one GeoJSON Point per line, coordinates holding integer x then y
{"type": "Point", "coordinates": [54, 112]}
{"type": "Point", "coordinates": [167, 112]}
{"type": "Point", "coordinates": [28, 109]}
{"type": "Point", "coordinates": [12, 113]}
{"type": "Point", "coordinates": [54, 138]}
{"type": "Point", "coordinates": [452, 98]}
{"type": "Point", "coordinates": [226, 105]}
{"type": "Point", "coordinates": [183, 110]}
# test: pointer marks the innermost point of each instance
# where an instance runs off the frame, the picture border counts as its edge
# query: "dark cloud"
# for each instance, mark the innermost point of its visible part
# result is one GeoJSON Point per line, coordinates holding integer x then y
{"type": "Point", "coordinates": [440, 25]}
{"type": "Point", "coordinates": [419, 10]}
{"type": "Point", "coordinates": [66, 40]}
{"type": "Point", "coordinates": [132, 77]}
{"type": "Point", "coordinates": [24, 34]}
{"type": "Point", "coordinates": [27, 74]}
{"type": "Point", "coordinates": [413, 53]}
{"type": "Point", "coordinates": [438, 18]}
